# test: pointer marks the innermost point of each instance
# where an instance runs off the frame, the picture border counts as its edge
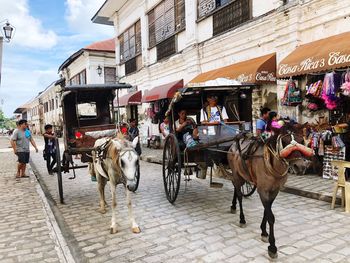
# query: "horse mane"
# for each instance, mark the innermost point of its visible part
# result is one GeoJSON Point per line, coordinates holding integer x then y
{"type": "Point", "coordinates": [113, 153]}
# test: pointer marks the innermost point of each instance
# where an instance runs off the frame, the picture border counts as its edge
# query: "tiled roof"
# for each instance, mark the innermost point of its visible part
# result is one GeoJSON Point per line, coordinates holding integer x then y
{"type": "Point", "coordinates": [106, 45]}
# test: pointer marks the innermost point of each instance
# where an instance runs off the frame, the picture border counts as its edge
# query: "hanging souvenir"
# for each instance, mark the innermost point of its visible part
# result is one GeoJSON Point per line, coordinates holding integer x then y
{"type": "Point", "coordinates": [331, 84]}
{"type": "Point", "coordinates": [292, 94]}
{"type": "Point", "coordinates": [346, 85]}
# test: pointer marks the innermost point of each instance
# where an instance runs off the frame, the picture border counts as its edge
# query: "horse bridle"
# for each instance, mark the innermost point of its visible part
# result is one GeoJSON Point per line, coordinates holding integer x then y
{"type": "Point", "coordinates": [279, 146]}
{"type": "Point", "coordinates": [123, 152]}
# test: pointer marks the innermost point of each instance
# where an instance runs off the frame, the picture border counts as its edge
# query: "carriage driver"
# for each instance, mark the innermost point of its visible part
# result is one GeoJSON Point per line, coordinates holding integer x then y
{"type": "Point", "coordinates": [213, 113]}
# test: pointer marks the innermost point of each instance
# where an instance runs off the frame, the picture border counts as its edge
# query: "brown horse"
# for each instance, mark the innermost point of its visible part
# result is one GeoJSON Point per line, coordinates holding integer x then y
{"type": "Point", "coordinates": [259, 162]}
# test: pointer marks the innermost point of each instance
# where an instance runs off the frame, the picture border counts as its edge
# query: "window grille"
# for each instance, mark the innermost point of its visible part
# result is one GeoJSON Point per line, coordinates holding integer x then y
{"type": "Point", "coordinates": [130, 66]}
{"type": "Point", "coordinates": [231, 16]}
{"type": "Point", "coordinates": [166, 48]}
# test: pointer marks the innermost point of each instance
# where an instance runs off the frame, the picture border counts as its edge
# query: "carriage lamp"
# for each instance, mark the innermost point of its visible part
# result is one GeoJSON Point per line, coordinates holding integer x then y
{"type": "Point", "coordinates": [99, 70]}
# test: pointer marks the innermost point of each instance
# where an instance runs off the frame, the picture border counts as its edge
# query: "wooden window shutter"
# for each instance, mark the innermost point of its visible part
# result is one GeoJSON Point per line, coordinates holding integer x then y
{"type": "Point", "coordinates": [180, 20]}
{"type": "Point", "coordinates": [138, 46]}
{"type": "Point", "coordinates": [159, 22]}
{"type": "Point", "coordinates": [151, 29]}
{"type": "Point", "coordinates": [110, 75]}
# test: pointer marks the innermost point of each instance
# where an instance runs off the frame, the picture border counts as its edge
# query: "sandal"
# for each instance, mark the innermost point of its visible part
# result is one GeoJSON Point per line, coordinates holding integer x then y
{"type": "Point", "coordinates": [24, 176]}
{"type": "Point", "coordinates": [17, 177]}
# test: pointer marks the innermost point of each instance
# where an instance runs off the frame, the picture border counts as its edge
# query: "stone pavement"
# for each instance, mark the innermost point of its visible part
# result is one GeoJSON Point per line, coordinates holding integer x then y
{"type": "Point", "coordinates": [198, 228]}
{"type": "Point", "coordinates": [27, 233]}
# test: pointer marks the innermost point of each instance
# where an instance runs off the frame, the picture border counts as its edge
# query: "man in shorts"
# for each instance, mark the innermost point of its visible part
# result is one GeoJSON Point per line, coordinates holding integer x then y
{"type": "Point", "coordinates": [20, 143]}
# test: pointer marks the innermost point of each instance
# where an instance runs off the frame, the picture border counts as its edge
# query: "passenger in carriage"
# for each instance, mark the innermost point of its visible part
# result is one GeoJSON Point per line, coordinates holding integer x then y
{"type": "Point", "coordinates": [213, 113]}
{"type": "Point", "coordinates": [186, 129]}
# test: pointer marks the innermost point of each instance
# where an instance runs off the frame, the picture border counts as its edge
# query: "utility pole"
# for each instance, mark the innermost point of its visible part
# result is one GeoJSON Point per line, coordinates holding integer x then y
{"type": "Point", "coordinates": [7, 31]}
{"type": "Point", "coordinates": [1, 46]}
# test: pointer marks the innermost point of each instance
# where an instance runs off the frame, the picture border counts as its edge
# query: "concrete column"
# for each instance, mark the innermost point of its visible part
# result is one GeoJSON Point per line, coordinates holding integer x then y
{"type": "Point", "coordinates": [191, 25]}
{"type": "Point", "coordinates": [1, 47]}
{"type": "Point", "coordinates": [144, 35]}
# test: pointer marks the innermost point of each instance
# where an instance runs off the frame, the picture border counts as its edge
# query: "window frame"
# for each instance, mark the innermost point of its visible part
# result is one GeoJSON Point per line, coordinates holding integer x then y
{"type": "Point", "coordinates": [217, 9]}
{"type": "Point", "coordinates": [136, 36]}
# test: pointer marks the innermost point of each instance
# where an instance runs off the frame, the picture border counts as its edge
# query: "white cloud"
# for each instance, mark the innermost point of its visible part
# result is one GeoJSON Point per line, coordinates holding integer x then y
{"type": "Point", "coordinates": [79, 14]}
{"type": "Point", "coordinates": [29, 30]}
{"type": "Point", "coordinates": [21, 85]}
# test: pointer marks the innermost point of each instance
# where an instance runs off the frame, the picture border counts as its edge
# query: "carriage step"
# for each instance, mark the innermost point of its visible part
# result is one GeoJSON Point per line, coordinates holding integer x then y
{"type": "Point", "coordinates": [216, 185]}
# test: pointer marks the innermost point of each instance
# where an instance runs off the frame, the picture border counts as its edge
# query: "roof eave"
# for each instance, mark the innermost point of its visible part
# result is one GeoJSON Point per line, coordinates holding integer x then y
{"type": "Point", "coordinates": [104, 14]}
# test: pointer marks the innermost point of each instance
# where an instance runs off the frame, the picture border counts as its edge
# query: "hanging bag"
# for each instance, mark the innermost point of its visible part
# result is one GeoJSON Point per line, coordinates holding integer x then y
{"type": "Point", "coordinates": [292, 94]}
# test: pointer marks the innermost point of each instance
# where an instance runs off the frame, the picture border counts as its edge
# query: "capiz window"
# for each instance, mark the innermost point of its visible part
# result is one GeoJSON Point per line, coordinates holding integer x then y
{"type": "Point", "coordinates": [130, 42]}
{"type": "Point", "coordinates": [165, 20]}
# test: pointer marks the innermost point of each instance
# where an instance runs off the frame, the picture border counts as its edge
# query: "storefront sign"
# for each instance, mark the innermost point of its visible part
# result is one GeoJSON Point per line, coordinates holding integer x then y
{"type": "Point", "coordinates": [265, 76]}
{"type": "Point", "coordinates": [311, 64]}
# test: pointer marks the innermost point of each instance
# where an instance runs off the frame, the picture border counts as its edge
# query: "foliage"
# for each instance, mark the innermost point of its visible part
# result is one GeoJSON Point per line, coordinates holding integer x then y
{"type": "Point", "coordinates": [6, 122]}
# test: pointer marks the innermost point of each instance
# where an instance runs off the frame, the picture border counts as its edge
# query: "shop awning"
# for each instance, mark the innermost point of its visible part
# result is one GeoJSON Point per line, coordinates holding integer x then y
{"type": "Point", "coordinates": [322, 55]}
{"type": "Point", "coordinates": [165, 91]}
{"type": "Point", "coordinates": [261, 70]}
{"type": "Point", "coordinates": [132, 98]}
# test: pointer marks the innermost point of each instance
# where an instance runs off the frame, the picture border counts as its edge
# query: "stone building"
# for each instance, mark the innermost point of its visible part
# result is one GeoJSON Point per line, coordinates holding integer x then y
{"type": "Point", "coordinates": [163, 41]}
{"type": "Point", "coordinates": [93, 64]}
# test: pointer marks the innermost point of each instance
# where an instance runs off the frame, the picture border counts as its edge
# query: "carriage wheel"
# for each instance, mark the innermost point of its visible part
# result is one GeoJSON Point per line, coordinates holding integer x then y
{"type": "Point", "coordinates": [248, 189]}
{"type": "Point", "coordinates": [137, 176]}
{"type": "Point", "coordinates": [171, 167]}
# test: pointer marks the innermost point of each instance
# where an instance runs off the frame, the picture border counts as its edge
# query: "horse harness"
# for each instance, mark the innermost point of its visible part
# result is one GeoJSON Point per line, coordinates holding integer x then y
{"type": "Point", "coordinates": [253, 146]}
{"type": "Point", "coordinates": [101, 155]}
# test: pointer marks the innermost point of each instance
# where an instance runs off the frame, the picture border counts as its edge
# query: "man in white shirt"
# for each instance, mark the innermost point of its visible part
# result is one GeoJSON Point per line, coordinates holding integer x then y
{"type": "Point", "coordinates": [213, 113]}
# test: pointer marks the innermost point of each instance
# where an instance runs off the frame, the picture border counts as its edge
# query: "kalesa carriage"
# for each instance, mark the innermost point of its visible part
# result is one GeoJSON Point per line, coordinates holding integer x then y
{"type": "Point", "coordinates": [88, 114]}
{"type": "Point", "coordinates": [214, 139]}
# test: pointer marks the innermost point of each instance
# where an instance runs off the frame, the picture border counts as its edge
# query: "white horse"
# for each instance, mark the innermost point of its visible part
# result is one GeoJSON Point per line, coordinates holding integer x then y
{"type": "Point", "coordinates": [115, 160]}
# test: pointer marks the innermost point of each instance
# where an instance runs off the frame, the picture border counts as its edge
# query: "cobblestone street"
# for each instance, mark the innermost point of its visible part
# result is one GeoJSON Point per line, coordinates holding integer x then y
{"type": "Point", "coordinates": [198, 228]}
{"type": "Point", "coordinates": [26, 232]}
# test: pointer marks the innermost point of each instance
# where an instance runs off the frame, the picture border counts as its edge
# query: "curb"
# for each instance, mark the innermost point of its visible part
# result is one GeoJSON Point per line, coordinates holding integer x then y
{"type": "Point", "coordinates": [286, 189]}
{"type": "Point", "coordinates": [308, 194]}
{"type": "Point", "coordinates": [151, 159]}
{"type": "Point", "coordinates": [66, 234]}
{"type": "Point", "coordinates": [62, 248]}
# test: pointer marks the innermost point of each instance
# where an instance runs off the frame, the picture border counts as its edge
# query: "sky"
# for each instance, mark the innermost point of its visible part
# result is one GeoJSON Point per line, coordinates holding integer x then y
{"type": "Point", "coordinates": [47, 33]}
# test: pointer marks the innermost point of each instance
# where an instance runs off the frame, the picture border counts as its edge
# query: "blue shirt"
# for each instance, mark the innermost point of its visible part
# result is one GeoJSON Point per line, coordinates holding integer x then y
{"type": "Point", "coordinates": [261, 125]}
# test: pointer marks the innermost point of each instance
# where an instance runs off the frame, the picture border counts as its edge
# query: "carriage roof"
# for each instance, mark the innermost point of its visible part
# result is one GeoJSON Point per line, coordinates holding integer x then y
{"type": "Point", "coordinates": [96, 87]}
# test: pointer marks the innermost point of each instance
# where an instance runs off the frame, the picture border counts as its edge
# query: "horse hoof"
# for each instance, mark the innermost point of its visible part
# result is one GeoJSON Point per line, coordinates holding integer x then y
{"type": "Point", "coordinates": [233, 210]}
{"type": "Point", "coordinates": [113, 230]}
{"type": "Point", "coordinates": [242, 225]}
{"type": "Point", "coordinates": [265, 239]}
{"type": "Point", "coordinates": [136, 230]}
{"type": "Point", "coordinates": [273, 255]}
{"type": "Point", "coordinates": [102, 211]}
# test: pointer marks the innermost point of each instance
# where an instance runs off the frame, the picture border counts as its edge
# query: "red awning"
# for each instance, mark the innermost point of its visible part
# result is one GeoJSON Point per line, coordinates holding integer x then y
{"type": "Point", "coordinates": [132, 98]}
{"type": "Point", "coordinates": [165, 91]}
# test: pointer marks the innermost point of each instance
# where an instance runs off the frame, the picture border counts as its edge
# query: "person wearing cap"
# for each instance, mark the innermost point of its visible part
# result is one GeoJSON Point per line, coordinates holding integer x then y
{"type": "Point", "coordinates": [213, 113]}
